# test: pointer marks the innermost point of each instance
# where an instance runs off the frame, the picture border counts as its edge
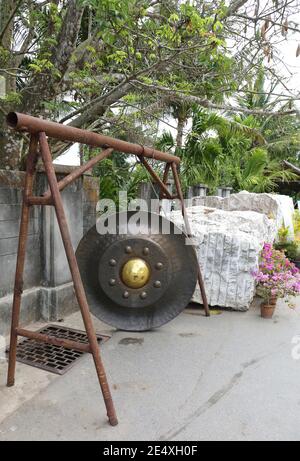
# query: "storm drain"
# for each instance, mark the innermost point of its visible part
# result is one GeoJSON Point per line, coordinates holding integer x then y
{"type": "Point", "coordinates": [56, 359]}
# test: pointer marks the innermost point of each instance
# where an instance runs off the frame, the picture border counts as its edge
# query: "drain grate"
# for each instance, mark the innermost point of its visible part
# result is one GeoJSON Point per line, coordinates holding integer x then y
{"type": "Point", "coordinates": [56, 359]}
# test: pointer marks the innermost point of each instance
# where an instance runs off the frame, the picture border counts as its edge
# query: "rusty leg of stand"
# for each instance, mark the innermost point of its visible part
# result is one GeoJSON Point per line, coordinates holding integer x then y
{"type": "Point", "coordinates": [188, 231]}
{"type": "Point", "coordinates": [163, 187]}
{"type": "Point", "coordinates": [78, 286]}
{"type": "Point", "coordinates": [165, 178]}
{"type": "Point", "coordinates": [18, 287]}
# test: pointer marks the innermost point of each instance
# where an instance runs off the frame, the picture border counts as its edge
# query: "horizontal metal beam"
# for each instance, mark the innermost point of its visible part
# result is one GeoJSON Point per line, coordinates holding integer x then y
{"type": "Point", "coordinates": [33, 125]}
{"type": "Point", "coordinates": [36, 200]}
{"type": "Point", "coordinates": [52, 340]}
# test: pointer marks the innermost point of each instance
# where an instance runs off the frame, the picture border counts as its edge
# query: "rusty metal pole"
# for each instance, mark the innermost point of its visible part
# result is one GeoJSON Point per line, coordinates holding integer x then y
{"type": "Point", "coordinates": [189, 233]}
{"type": "Point", "coordinates": [23, 233]}
{"type": "Point", "coordinates": [23, 122]}
{"type": "Point", "coordinates": [163, 187]}
{"type": "Point", "coordinates": [165, 179]}
{"type": "Point", "coordinates": [78, 286]}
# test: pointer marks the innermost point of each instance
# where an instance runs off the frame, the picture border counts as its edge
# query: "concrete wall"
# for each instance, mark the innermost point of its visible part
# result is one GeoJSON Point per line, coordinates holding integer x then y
{"type": "Point", "coordinates": [48, 290]}
{"type": "Point", "coordinates": [10, 208]}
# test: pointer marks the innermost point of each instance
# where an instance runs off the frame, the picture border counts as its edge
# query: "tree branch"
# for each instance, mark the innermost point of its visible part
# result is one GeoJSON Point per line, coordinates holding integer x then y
{"type": "Point", "coordinates": [258, 18]}
{"type": "Point", "coordinates": [11, 17]}
{"type": "Point", "coordinates": [176, 95]}
{"type": "Point", "coordinates": [234, 6]}
{"type": "Point", "coordinates": [68, 35]}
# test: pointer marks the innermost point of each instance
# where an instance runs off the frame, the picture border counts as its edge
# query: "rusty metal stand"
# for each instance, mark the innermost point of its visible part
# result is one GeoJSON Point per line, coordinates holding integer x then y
{"type": "Point", "coordinates": [56, 200]}
{"type": "Point", "coordinates": [39, 129]}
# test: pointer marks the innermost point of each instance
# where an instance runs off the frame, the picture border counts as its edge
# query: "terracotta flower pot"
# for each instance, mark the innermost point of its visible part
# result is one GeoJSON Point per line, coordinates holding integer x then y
{"type": "Point", "coordinates": [267, 310]}
{"type": "Point", "coordinates": [272, 301]}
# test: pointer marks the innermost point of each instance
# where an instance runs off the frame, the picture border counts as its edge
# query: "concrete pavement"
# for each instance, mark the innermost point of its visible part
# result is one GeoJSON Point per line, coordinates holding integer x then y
{"type": "Point", "coordinates": [227, 377]}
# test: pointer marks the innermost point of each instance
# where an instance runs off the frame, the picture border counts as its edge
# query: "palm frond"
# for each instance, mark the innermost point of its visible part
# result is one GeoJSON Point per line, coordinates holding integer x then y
{"type": "Point", "coordinates": [166, 142]}
{"type": "Point", "coordinates": [204, 121]}
{"type": "Point", "coordinates": [285, 144]}
{"type": "Point", "coordinates": [255, 164]}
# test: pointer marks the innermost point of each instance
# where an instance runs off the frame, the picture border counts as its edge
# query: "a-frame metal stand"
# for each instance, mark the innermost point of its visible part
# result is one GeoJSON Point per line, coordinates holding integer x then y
{"type": "Point", "coordinates": [56, 201]}
{"type": "Point", "coordinates": [39, 148]}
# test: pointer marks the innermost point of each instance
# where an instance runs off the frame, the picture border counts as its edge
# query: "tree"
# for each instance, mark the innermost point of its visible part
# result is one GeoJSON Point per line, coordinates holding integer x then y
{"type": "Point", "coordinates": [282, 134]}
{"type": "Point", "coordinates": [222, 151]}
{"type": "Point", "coordinates": [85, 62]}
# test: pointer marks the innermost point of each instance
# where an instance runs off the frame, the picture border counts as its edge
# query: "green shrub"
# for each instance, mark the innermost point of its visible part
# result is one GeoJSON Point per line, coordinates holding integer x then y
{"type": "Point", "coordinates": [291, 249]}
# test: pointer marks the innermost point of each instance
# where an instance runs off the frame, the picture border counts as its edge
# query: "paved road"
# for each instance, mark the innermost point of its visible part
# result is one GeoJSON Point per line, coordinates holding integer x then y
{"type": "Point", "coordinates": [229, 377]}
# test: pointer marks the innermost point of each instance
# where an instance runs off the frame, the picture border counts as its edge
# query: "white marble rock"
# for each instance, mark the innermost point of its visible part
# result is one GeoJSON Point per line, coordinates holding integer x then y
{"type": "Point", "coordinates": [274, 206]}
{"type": "Point", "coordinates": [228, 244]}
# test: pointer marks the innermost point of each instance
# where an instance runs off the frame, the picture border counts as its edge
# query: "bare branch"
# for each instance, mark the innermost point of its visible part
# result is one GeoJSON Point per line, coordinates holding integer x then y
{"type": "Point", "coordinates": [259, 18]}
{"type": "Point", "coordinates": [234, 6]}
{"type": "Point", "coordinates": [179, 96]}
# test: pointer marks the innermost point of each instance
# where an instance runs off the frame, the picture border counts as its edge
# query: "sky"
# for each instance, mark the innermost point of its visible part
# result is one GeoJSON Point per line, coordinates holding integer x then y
{"type": "Point", "coordinates": [288, 50]}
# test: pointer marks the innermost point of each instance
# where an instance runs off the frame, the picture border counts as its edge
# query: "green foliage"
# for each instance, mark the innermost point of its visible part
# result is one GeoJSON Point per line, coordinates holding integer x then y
{"type": "Point", "coordinates": [165, 142]}
{"type": "Point", "coordinates": [12, 98]}
{"type": "Point", "coordinates": [117, 59]}
{"type": "Point", "coordinates": [281, 134]}
{"type": "Point", "coordinates": [291, 249]}
{"type": "Point", "coordinates": [118, 173]}
{"type": "Point", "coordinates": [40, 65]}
{"type": "Point", "coordinates": [4, 56]}
{"type": "Point", "coordinates": [222, 151]}
{"type": "Point", "coordinates": [296, 223]}
{"type": "Point", "coordinates": [283, 233]}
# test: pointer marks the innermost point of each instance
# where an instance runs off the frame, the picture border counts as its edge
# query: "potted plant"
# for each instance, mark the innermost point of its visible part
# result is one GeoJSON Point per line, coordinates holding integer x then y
{"type": "Point", "coordinates": [276, 277]}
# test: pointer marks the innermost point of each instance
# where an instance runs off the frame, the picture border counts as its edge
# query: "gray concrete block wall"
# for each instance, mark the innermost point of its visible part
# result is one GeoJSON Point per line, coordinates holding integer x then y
{"type": "Point", "coordinates": [55, 268]}
{"type": "Point", "coordinates": [90, 197]}
{"type": "Point", "coordinates": [11, 184]}
{"type": "Point", "coordinates": [48, 291]}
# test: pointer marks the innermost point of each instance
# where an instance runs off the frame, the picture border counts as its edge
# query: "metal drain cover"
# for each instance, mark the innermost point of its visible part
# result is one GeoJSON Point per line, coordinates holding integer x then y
{"type": "Point", "coordinates": [56, 359]}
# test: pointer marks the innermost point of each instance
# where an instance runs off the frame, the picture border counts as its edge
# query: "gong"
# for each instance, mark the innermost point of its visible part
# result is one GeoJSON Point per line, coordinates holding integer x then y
{"type": "Point", "coordinates": [139, 276]}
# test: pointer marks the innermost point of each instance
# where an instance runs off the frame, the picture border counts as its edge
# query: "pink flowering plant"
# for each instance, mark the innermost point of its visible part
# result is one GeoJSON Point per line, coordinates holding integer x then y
{"type": "Point", "coordinates": [276, 276]}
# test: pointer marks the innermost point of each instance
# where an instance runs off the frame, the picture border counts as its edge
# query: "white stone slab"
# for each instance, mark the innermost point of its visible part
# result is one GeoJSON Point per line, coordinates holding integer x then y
{"type": "Point", "coordinates": [274, 206]}
{"type": "Point", "coordinates": [228, 244]}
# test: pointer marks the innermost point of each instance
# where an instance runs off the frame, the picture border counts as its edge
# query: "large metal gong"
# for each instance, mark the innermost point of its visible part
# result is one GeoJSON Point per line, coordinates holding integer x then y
{"type": "Point", "coordinates": [137, 281]}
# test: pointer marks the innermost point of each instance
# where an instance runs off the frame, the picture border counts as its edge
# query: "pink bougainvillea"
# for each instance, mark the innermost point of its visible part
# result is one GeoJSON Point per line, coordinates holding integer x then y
{"type": "Point", "coordinates": [276, 276]}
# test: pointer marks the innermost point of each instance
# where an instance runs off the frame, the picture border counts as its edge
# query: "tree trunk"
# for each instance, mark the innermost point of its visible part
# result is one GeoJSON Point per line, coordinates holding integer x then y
{"type": "Point", "coordinates": [10, 147]}
{"type": "Point", "coordinates": [10, 144]}
{"type": "Point", "coordinates": [42, 86]}
{"type": "Point", "coordinates": [180, 126]}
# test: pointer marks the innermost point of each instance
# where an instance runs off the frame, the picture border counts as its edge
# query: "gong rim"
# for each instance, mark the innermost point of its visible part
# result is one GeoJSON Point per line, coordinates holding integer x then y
{"type": "Point", "coordinates": [177, 274]}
